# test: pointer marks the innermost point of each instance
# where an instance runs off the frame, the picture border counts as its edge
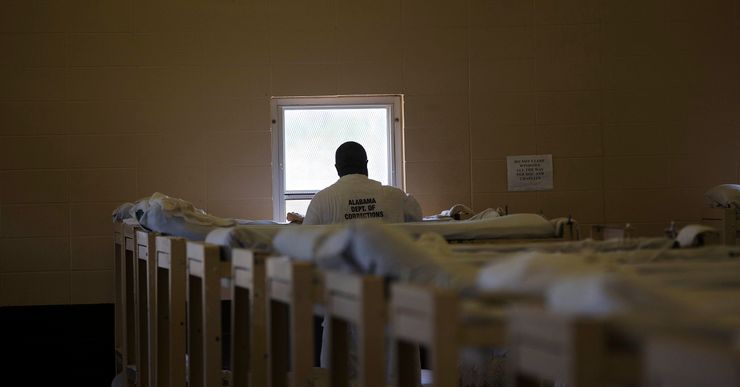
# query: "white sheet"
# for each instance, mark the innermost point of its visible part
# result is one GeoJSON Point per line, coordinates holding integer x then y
{"type": "Point", "coordinates": [617, 282]}
{"type": "Point", "coordinates": [692, 234]}
{"type": "Point", "coordinates": [173, 216]}
{"type": "Point", "coordinates": [122, 212]}
{"type": "Point", "coordinates": [593, 282]}
{"type": "Point", "coordinates": [368, 248]}
{"type": "Point", "coordinates": [500, 227]}
{"type": "Point", "coordinates": [253, 238]}
{"type": "Point", "coordinates": [724, 195]}
{"type": "Point", "coordinates": [177, 217]}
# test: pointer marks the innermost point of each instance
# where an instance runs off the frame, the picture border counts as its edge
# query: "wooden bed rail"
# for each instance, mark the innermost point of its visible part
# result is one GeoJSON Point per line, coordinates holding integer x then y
{"type": "Point", "coordinates": [118, 298]}
{"type": "Point", "coordinates": [205, 272]}
{"type": "Point", "coordinates": [129, 306]}
{"type": "Point", "coordinates": [356, 303]}
{"type": "Point", "coordinates": [169, 326]}
{"type": "Point", "coordinates": [436, 318]}
{"type": "Point", "coordinates": [588, 351]}
{"type": "Point", "coordinates": [146, 305]}
{"type": "Point", "coordinates": [601, 232]}
{"type": "Point", "coordinates": [677, 361]}
{"type": "Point", "coordinates": [726, 220]}
{"type": "Point", "coordinates": [248, 319]}
{"type": "Point", "coordinates": [293, 290]}
{"type": "Point", "coordinates": [576, 351]}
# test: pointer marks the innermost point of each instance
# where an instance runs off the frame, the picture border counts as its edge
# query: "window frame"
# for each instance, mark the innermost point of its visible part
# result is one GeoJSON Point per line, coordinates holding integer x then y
{"type": "Point", "coordinates": [395, 140]}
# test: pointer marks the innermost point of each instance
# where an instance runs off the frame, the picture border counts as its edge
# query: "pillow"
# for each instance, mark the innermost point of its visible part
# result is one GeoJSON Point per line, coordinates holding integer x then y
{"type": "Point", "coordinates": [724, 195]}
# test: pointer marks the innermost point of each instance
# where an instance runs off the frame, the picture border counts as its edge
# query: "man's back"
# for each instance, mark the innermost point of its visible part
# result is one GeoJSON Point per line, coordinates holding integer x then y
{"type": "Point", "coordinates": [355, 196]}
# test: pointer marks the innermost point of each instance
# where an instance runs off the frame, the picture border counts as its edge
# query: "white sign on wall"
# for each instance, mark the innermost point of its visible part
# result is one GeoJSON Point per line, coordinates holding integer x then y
{"type": "Point", "coordinates": [529, 173]}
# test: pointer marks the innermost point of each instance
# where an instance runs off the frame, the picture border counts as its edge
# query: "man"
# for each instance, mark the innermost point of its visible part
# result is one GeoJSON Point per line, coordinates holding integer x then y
{"type": "Point", "coordinates": [355, 196]}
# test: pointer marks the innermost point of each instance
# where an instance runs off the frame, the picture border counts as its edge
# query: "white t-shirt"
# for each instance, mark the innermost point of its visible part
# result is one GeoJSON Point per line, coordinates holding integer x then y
{"type": "Point", "coordinates": [358, 197]}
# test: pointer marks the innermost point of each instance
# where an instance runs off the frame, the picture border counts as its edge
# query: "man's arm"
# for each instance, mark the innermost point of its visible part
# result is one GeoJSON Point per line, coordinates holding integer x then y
{"type": "Point", "coordinates": [313, 213]}
{"type": "Point", "coordinates": [411, 209]}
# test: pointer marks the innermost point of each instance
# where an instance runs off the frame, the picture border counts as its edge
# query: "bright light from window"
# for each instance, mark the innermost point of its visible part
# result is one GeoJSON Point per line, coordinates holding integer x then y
{"type": "Point", "coordinates": [312, 135]}
{"type": "Point", "coordinates": [307, 132]}
{"type": "Point", "coordinates": [299, 206]}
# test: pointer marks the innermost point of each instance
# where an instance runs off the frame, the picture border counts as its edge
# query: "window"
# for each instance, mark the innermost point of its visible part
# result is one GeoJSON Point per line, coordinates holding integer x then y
{"type": "Point", "coordinates": [308, 130]}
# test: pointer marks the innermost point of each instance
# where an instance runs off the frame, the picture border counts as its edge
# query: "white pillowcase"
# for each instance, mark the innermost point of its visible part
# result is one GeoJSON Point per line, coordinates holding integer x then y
{"type": "Point", "coordinates": [724, 195]}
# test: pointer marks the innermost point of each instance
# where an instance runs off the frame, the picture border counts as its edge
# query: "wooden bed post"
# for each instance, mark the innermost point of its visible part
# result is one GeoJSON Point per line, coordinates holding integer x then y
{"type": "Point", "coordinates": [426, 316]}
{"type": "Point", "coordinates": [170, 322]}
{"type": "Point", "coordinates": [147, 304]}
{"type": "Point", "coordinates": [205, 270]}
{"type": "Point", "coordinates": [248, 319]}
{"type": "Point", "coordinates": [293, 288]}
{"type": "Point", "coordinates": [724, 219]}
{"type": "Point", "coordinates": [357, 300]}
{"type": "Point", "coordinates": [566, 349]}
{"type": "Point", "coordinates": [119, 300]}
{"type": "Point", "coordinates": [568, 233]}
{"type": "Point", "coordinates": [686, 361]}
{"type": "Point", "coordinates": [130, 301]}
{"type": "Point", "coordinates": [731, 226]}
{"type": "Point", "coordinates": [433, 317]}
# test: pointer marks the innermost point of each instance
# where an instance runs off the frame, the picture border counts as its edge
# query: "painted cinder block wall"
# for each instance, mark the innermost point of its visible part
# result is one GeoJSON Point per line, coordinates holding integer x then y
{"type": "Point", "coordinates": [106, 101]}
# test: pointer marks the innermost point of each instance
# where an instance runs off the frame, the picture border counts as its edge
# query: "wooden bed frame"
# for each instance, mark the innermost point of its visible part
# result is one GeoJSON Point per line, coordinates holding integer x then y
{"type": "Point", "coordinates": [273, 304]}
{"type": "Point", "coordinates": [575, 351]}
{"type": "Point", "coordinates": [293, 290]}
{"type": "Point", "coordinates": [248, 319]}
{"type": "Point", "coordinates": [360, 301]}
{"type": "Point", "coordinates": [130, 302]}
{"type": "Point", "coordinates": [581, 351]}
{"type": "Point", "coordinates": [726, 221]}
{"type": "Point", "coordinates": [169, 327]}
{"type": "Point", "coordinates": [587, 352]}
{"type": "Point", "coordinates": [601, 232]}
{"type": "Point", "coordinates": [146, 305]}
{"type": "Point", "coordinates": [205, 270]}
{"type": "Point", "coordinates": [118, 298]}
{"type": "Point", "coordinates": [703, 362]}
{"type": "Point", "coordinates": [569, 234]}
{"type": "Point", "coordinates": [434, 318]}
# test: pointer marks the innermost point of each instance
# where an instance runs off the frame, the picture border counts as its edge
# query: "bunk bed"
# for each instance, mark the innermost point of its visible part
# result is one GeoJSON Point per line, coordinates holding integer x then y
{"type": "Point", "coordinates": [333, 267]}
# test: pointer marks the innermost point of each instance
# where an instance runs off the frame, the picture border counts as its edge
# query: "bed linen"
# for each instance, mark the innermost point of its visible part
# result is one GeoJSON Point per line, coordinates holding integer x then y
{"type": "Point", "coordinates": [498, 227]}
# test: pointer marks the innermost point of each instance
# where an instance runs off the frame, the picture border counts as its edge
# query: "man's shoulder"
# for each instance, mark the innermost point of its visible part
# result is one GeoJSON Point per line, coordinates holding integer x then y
{"type": "Point", "coordinates": [322, 193]}
{"type": "Point", "coordinates": [394, 190]}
